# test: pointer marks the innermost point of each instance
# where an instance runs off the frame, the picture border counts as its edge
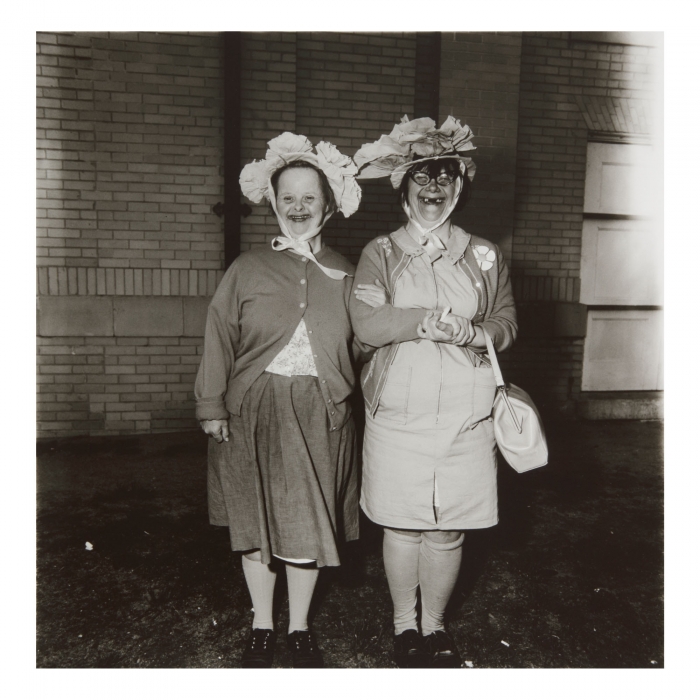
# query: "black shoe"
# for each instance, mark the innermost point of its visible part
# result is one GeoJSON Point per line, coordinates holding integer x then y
{"type": "Point", "coordinates": [259, 649]}
{"type": "Point", "coordinates": [305, 651]}
{"type": "Point", "coordinates": [441, 650]}
{"type": "Point", "coordinates": [408, 650]}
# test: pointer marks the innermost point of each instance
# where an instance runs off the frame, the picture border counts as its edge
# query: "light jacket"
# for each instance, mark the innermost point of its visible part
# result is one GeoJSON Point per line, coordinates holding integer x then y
{"type": "Point", "coordinates": [384, 327]}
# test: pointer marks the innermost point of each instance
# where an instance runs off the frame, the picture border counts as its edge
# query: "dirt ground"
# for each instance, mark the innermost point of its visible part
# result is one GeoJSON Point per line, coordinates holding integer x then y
{"type": "Point", "coordinates": [572, 577]}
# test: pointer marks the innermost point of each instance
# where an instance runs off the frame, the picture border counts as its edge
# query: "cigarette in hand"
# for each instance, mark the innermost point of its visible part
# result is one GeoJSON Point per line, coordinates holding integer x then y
{"type": "Point", "coordinates": [444, 314]}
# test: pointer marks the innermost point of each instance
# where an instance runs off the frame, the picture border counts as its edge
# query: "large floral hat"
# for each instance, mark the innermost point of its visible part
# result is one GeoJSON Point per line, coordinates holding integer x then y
{"type": "Point", "coordinates": [412, 142]}
{"type": "Point", "coordinates": [286, 148]}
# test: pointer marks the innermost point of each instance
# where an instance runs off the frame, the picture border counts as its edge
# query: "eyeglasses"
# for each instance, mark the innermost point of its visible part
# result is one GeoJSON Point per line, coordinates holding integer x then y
{"type": "Point", "coordinates": [420, 177]}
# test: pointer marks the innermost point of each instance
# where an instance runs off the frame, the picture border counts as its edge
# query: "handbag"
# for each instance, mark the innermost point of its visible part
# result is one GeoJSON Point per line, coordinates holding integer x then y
{"type": "Point", "coordinates": [517, 424]}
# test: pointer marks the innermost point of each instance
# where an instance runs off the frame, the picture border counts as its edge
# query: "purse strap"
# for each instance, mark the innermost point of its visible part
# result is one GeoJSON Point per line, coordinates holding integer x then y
{"type": "Point", "coordinates": [494, 360]}
{"type": "Point", "coordinates": [500, 384]}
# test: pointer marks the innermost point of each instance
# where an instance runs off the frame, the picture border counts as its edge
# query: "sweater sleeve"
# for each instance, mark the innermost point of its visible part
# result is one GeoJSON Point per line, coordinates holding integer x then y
{"type": "Point", "coordinates": [221, 336]}
{"type": "Point", "coordinates": [383, 325]}
{"type": "Point", "coordinates": [501, 323]}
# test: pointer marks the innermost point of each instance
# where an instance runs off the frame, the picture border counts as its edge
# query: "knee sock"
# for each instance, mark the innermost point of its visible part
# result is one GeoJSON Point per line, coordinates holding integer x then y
{"type": "Point", "coordinates": [437, 571]}
{"type": "Point", "coordinates": [301, 581]}
{"type": "Point", "coordinates": [401, 551]}
{"type": "Point", "coordinates": [261, 585]}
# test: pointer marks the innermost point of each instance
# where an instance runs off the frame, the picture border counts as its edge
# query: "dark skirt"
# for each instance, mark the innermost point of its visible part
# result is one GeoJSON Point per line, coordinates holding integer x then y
{"type": "Point", "coordinates": [285, 483]}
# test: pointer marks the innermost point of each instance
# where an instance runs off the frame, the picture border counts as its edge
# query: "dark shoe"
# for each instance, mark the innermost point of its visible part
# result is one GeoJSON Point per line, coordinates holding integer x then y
{"type": "Point", "coordinates": [441, 651]}
{"type": "Point", "coordinates": [259, 649]}
{"type": "Point", "coordinates": [305, 651]}
{"type": "Point", "coordinates": [408, 650]}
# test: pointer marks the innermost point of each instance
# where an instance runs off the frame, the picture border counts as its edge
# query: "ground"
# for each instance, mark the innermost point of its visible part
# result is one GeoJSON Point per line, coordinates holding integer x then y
{"type": "Point", "coordinates": [570, 578]}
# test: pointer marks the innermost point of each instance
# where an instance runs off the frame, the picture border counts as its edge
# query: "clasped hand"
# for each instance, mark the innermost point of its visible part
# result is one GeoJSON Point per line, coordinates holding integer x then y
{"type": "Point", "coordinates": [453, 329]}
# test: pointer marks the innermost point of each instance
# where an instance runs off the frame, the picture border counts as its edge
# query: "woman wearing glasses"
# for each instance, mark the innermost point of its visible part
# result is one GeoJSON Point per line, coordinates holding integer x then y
{"type": "Point", "coordinates": [425, 296]}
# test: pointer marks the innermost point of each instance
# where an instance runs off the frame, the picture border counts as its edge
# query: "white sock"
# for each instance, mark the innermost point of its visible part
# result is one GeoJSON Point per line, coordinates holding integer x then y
{"type": "Point", "coordinates": [437, 571]}
{"type": "Point", "coordinates": [261, 586]}
{"type": "Point", "coordinates": [301, 581]}
{"type": "Point", "coordinates": [401, 552]}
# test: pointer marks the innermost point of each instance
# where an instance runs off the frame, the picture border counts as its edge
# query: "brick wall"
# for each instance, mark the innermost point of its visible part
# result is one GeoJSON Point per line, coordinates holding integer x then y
{"type": "Point", "coordinates": [480, 74]}
{"type": "Point", "coordinates": [130, 144]}
{"type": "Point", "coordinates": [559, 74]}
{"type": "Point", "coordinates": [268, 107]}
{"type": "Point", "coordinates": [344, 88]}
{"type": "Point", "coordinates": [351, 89]}
{"type": "Point", "coordinates": [129, 159]}
{"type": "Point", "coordinates": [129, 156]}
{"type": "Point", "coordinates": [563, 80]}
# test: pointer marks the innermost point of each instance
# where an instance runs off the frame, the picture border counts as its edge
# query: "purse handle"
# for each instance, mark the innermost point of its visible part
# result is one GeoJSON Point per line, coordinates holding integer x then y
{"type": "Point", "coordinates": [500, 384]}
{"type": "Point", "coordinates": [493, 359]}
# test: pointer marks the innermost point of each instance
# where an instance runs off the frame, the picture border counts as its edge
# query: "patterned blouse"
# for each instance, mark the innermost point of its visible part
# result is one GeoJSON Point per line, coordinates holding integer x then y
{"type": "Point", "coordinates": [296, 357]}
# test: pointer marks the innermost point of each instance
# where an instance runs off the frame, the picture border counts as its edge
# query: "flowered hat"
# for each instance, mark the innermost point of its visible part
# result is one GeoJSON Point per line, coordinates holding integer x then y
{"type": "Point", "coordinates": [287, 148]}
{"type": "Point", "coordinates": [412, 142]}
{"type": "Point", "coordinates": [256, 184]}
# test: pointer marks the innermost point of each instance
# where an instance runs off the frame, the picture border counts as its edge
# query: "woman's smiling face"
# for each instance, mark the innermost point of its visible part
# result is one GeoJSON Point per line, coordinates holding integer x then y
{"type": "Point", "coordinates": [428, 203]}
{"type": "Point", "coordinates": [300, 200]}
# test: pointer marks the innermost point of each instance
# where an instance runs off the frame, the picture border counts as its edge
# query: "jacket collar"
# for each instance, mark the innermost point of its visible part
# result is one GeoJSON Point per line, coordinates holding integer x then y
{"type": "Point", "coordinates": [455, 249]}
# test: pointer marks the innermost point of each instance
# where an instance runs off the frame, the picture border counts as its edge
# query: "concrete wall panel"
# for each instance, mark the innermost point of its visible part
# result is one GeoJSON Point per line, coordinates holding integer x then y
{"type": "Point", "coordinates": [148, 316]}
{"type": "Point", "coordinates": [74, 316]}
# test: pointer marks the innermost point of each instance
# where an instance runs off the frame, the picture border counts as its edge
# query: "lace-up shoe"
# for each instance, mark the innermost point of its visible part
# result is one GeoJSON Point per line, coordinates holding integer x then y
{"type": "Point", "coordinates": [441, 651]}
{"type": "Point", "coordinates": [408, 650]}
{"type": "Point", "coordinates": [305, 651]}
{"type": "Point", "coordinates": [259, 649]}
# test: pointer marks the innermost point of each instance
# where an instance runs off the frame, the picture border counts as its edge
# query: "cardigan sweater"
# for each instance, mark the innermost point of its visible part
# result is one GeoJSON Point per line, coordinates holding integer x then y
{"type": "Point", "coordinates": [253, 315]}
{"type": "Point", "coordinates": [384, 327]}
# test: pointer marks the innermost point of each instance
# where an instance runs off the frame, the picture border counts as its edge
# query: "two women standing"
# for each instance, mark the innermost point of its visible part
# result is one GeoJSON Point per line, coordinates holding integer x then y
{"type": "Point", "coordinates": [277, 372]}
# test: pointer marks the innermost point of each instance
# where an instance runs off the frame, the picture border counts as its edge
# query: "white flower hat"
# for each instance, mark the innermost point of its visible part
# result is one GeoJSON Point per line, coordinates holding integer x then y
{"type": "Point", "coordinates": [339, 169]}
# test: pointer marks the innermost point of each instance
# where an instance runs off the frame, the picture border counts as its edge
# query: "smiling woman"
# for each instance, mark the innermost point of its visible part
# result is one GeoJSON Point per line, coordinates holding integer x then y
{"type": "Point", "coordinates": [429, 467]}
{"type": "Point", "coordinates": [431, 189]}
{"type": "Point", "coordinates": [303, 199]}
{"type": "Point", "coordinates": [273, 392]}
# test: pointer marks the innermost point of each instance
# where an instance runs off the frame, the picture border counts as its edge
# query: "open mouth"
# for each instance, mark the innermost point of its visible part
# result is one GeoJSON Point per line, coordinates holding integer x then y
{"type": "Point", "coordinates": [299, 218]}
{"type": "Point", "coordinates": [434, 201]}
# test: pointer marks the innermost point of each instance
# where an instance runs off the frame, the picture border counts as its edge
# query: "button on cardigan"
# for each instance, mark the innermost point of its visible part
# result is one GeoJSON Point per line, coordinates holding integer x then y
{"type": "Point", "coordinates": [257, 307]}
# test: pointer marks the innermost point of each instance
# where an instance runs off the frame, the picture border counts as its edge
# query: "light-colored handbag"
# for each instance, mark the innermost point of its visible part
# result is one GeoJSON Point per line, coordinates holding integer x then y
{"type": "Point", "coordinates": [517, 423]}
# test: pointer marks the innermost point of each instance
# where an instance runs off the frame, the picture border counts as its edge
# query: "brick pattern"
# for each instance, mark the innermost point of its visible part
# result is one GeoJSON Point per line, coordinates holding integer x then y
{"type": "Point", "coordinates": [426, 101]}
{"type": "Point", "coordinates": [619, 115]}
{"type": "Point", "coordinates": [91, 281]}
{"type": "Point", "coordinates": [560, 75]}
{"type": "Point", "coordinates": [113, 386]}
{"type": "Point", "coordinates": [268, 107]}
{"type": "Point", "coordinates": [479, 84]}
{"type": "Point", "coordinates": [549, 369]}
{"type": "Point", "coordinates": [351, 89]}
{"type": "Point", "coordinates": [344, 88]}
{"type": "Point", "coordinates": [130, 148]}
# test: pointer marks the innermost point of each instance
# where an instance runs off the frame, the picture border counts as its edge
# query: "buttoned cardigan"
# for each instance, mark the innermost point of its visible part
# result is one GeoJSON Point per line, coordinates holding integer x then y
{"type": "Point", "coordinates": [384, 327]}
{"type": "Point", "coordinates": [256, 308]}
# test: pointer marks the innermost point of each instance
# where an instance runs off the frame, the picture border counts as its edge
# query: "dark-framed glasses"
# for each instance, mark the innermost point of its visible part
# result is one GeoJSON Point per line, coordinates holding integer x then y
{"type": "Point", "coordinates": [420, 177]}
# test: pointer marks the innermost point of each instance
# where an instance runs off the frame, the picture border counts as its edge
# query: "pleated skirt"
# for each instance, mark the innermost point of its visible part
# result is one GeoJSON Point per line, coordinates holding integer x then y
{"type": "Point", "coordinates": [285, 483]}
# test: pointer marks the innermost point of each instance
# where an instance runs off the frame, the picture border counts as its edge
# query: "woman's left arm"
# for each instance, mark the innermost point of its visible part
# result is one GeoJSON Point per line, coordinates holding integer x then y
{"type": "Point", "coordinates": [501, 323]}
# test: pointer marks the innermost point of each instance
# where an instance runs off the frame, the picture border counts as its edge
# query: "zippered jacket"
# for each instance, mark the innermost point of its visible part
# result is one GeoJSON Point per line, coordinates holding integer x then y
{"type": "Point", "coordinates": [384, 327]}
